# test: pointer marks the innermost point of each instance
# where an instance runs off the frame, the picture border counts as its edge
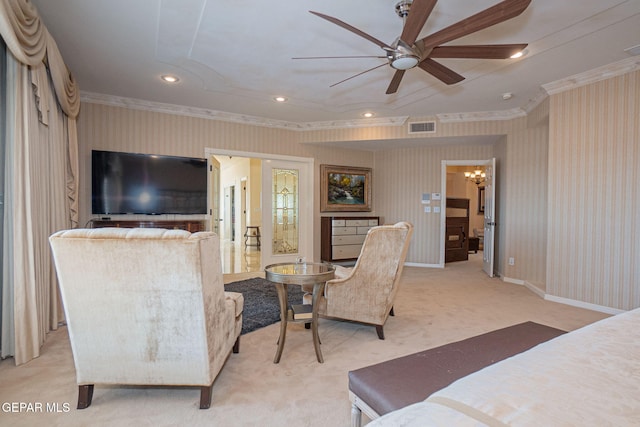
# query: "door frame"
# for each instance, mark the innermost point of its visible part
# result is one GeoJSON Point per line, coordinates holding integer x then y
{"type": "Point", "coordinates": [208, 151]}
{"type": "Point", "coordinates": [443, 190]}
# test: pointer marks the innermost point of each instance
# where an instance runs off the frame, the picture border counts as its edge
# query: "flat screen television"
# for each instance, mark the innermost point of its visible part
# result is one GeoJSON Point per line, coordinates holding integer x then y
{"type": "Point", "coordinates": [129, 183]}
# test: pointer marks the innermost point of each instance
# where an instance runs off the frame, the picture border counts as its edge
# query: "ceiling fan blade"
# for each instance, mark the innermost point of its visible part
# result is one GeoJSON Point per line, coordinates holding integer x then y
{"type": "Point", "coordinates": [395, 82]}
{"type": "Point", "coordinates": [489, 51]}
{"type": "Point", "coordinates": [418, 14]}
{"type": "Point", "coordinates": [502, 11]}
{"type": "Point", "coordinates": [352, 29]}
{"type": "Point", "coordinates": [359, 74]}
{"type": "Point", "coordinates": [339, 57]}
{"type": "Point", "coordinates": [439, 71]}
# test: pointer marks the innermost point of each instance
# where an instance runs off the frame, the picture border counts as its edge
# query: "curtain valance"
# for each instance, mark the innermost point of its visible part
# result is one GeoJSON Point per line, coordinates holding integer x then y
{"type": "Point", "coordinates": [30, 43]}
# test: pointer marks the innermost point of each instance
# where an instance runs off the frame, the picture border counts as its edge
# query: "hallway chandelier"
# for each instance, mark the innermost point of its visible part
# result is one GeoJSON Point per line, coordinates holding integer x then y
{"type": "Point", "coordinates": [478, 176]}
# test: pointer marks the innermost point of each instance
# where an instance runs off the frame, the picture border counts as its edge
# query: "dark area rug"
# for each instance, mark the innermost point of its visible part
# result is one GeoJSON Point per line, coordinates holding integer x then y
{"type": "Point", "coordinates": [261, 307]}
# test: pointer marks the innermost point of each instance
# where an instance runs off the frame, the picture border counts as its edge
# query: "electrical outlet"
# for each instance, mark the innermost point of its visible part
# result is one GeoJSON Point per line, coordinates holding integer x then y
{"type": "Point", "coordinates": [512, 261]}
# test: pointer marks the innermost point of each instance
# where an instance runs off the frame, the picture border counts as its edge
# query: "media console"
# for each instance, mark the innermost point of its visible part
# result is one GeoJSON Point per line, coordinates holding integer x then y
{"type": "Point", "coordinates": [191, 226]}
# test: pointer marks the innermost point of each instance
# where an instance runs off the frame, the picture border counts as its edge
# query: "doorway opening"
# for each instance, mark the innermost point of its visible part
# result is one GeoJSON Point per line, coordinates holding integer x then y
{"type": "Point", "coordinates": [239, 207]}
{"type": "Point", "coordinates": [467, 227]}
{"type": "Point", "coordinates": [245, 208]}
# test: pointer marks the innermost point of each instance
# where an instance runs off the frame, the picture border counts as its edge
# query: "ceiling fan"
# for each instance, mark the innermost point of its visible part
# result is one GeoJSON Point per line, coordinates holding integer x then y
{"type": "Point", "coordinates": [406, 52]}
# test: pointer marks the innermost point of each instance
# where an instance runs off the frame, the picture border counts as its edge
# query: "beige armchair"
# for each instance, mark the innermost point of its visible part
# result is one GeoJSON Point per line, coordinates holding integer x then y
{"type": "Point", "coordinates": [366, 292]}
{"type": "Point", "coordinates": [146, 307]}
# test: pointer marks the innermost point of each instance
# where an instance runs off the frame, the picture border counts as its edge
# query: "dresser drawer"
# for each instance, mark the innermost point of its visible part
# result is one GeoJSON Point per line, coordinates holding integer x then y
{"type": "Point", "coordinates": [346, 251]}
{"type": "Point", "coordinates": [348, 240]}
{"type": "Point", "coordinates": [362, 230]}
{"type": "Point", "coordinates": [357, 222]}
{"type": "Point", "coordinates": [341, 231]}
{"type": "Point", "coordinates": [338, 223]}
{"type": "Point", "coordinates": [373, 222]}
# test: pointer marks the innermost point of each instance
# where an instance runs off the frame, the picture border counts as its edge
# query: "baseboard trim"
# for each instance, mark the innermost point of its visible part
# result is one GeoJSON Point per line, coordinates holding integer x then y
{"type": "Point", "coordinates": [422, 265]}
{"type": "Point", "coordinates": [566, 301]}
{"type": "Point", "coordinates": [582, 304]}
{"type": "Point", "coordinates": [536, 290]}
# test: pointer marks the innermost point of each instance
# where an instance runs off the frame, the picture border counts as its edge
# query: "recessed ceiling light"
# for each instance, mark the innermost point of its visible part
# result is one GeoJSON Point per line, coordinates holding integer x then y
{"type": "Point", "coordinates": [519, 54]}
{"type": "Point", "coordinates": [169, 78]}
{"type": "Point", "coordinates": [368, 114]}
{"type": "Point", "coordinates": [280, 99]}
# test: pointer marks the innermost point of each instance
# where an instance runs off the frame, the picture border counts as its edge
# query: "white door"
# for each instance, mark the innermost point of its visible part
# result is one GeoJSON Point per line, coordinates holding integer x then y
{"type": "Point", "coordinates": [489, 217]}
{"type": "Point", "coordinates": [214, 211]}
{"type": "Point", "coordinates": [287, 211]}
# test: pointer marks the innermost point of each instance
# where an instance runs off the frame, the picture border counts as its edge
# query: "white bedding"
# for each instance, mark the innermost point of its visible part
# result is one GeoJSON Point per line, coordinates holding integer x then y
{"type": "Point", "coordinates": [589, 377]}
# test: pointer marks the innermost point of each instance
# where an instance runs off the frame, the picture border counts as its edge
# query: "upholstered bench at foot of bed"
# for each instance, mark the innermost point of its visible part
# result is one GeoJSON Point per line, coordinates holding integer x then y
{"type": "Point", "coordinates": [394, 384]}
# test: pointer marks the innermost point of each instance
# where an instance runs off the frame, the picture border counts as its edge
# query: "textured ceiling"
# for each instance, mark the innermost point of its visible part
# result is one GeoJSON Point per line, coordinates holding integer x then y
{"type": "Point", "coordinates": [236, 56]}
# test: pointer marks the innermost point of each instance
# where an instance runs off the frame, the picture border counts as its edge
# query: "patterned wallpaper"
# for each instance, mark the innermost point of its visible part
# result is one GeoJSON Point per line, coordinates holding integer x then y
{"type": "Point", "coordinates": [567, 192]}
{"type": "Point", "coordinates": [593, 252]}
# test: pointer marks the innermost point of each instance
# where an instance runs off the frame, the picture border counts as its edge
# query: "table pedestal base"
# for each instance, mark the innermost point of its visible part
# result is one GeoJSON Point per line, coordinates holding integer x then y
{"type": "Point", "coordinates": [318, 288]}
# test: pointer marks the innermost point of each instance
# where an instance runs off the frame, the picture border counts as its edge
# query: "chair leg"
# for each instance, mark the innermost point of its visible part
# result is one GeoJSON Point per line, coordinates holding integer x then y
{"type": "Point", "coordinates": [392, 313]}
{"type": "Point", "coordinates": [205, 396]}
{"type": "Point", "coordinates": [85, 394]}
{"type": "Point", "coordinates": [380, 331]}
{"type": "Point", "coordinates": [236, 345]}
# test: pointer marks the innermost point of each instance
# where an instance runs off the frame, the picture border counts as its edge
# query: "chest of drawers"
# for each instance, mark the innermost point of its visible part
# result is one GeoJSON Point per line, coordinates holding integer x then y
{"type": "Point", "coordinates": [342, 237]}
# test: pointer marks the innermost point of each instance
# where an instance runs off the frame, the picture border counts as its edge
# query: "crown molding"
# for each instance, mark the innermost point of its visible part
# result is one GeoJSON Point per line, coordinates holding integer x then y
{"type": "Point", "coordinates": [571, 82]}
{"type": "Point", "coordinates": [479, 116]}
{"type": "Point", "coordinates": [592, 76]}
{"type": "Point", "coordinates": [540, 96]}
{"type": "Point", "coordinates": [158, 107]}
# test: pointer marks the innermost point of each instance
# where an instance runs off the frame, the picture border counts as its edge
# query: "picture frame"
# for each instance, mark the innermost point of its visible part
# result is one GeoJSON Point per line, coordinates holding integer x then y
{"type": "Point", "coordinates": [480, 200]}
{"type": "Point", "coordinates": [345, 189]}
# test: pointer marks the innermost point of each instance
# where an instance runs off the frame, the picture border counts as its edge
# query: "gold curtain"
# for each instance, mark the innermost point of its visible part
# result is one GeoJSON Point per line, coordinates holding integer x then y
{"type": "Point", "coordinates": [42, 169]}
{"type": "Point", "coordinates": [29, 41]}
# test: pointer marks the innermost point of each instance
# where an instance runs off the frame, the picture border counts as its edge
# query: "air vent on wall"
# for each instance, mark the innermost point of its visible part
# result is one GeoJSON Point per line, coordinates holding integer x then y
{"type": "Point", "coordinates": [422, 127]}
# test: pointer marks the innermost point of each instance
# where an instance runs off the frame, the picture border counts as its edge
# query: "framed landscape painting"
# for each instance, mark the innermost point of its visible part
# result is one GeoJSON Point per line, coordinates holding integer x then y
{"type": "Point", "coordinates": [345, 189]}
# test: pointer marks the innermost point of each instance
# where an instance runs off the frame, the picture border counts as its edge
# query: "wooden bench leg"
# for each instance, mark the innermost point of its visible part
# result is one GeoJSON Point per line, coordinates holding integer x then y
{"type": "Point", "coordinates": [205, 396]}
{"type": "Point", "coordinates": [85, 394]}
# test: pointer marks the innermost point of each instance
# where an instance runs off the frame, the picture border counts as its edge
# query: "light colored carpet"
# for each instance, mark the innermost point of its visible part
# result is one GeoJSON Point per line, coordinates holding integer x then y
{"type": "Point", "coordinates": [434, 307]}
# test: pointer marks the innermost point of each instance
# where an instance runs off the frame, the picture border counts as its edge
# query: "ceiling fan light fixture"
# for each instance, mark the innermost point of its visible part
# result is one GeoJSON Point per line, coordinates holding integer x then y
{"type": "Point", "coordinates": [403, 56]}
{"type": "Point", "coordinates": [404, 61]}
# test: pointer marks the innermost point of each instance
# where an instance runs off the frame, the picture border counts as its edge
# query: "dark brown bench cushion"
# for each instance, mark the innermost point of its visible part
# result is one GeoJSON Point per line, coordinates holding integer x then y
{"type": "Point", "coordinates": [396, 383]}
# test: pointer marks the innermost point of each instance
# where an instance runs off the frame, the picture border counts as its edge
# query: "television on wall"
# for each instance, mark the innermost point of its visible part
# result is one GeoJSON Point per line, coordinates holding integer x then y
{"type": "Point", "coordinates": [130, 183]}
